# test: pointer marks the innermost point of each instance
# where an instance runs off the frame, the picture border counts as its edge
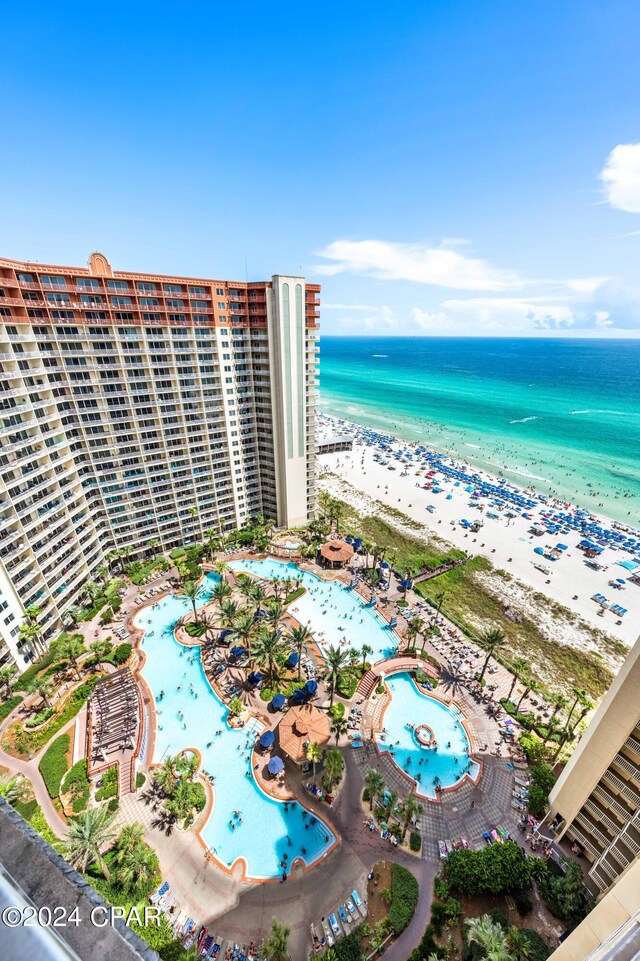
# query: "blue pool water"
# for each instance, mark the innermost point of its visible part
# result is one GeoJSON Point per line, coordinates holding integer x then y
{"type": "Point", "coordinates": [410, 706]}
{"type": "Point", "coordinates": [333, 614]}
{"type": "Point", "coordinates": [268, 832]}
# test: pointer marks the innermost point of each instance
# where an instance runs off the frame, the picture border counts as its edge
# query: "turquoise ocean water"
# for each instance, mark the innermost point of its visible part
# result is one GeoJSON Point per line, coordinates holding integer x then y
{"type": "Point", "coordinates": [560, 415]}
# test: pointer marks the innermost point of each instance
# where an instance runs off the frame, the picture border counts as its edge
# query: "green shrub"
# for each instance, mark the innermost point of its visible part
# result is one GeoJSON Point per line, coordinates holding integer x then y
{"type": "Point", "coordinates": [563, 893]}
{"type": "Point", "coordinates": [25, 680]}
{"type": "Point", "coordinates": [109, 786]}
{"type": "Point", "coordinates": [76, 783]}
{"type": "Point", "coordinates": [538, 947]}
{"type": "Point", "coordinates": [366, 794]}
{"type": "Point", "coordinates": [40, 717]}
{"type": "Point", "coordinates": [415, 841]}
{"type": "Point", "coordinates": [404, 898]}
{"type": "Point", "coordinates": [9, 705]}
{"type": "Point", "coordinates": [122, 653]}
{"type": "Point", "coordinates": [53, 764]}
{"type": "Point", "coordinates": [200, 796]}
{"type": "Point", "coordinates": [177, 552]}
{"type": "Point", "coordinates": [294, 595]}
{"type": "Point", "coordinates": [348, 949]}
{"type": "Point", "coordinates": [90, 612]}
{"type": "Point", "coordinates": [36, 740]}
{"type": "Point", "coordinates": [26, 808]}
{"type": "Point", "coordinates": [140, 780]}
{"type": "Point", "coordinates": [113, 805]}
{"type": "Point", "coordinates": [494, 869]}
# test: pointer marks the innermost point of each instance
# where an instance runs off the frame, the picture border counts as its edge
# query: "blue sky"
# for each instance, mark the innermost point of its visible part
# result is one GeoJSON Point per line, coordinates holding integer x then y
{"type": "Point", "coordinates": [440, 166]}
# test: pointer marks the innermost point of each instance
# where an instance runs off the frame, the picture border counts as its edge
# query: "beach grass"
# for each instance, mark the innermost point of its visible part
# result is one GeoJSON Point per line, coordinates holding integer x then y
{"type": "Point", "coordinates": [471, 605]}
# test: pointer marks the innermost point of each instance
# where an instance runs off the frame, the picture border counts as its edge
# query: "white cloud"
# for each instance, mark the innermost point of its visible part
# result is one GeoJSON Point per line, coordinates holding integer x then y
{"type": "Point", "coordinates": [434, 322]}
{"type": "Point", "coordinates": [621, 177]}
{"type": "Point", "coordinates": [326, 306]}
{"type": "Point", "coordinates": [439, 266]}
{"type": "Point", "coordinates": [378, 320]}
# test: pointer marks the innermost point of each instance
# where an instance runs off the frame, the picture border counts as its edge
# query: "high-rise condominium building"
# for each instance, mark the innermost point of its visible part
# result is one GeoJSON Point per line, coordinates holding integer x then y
{"type": "Point", "coordinates": [139, 409]}
{"type": "Point", "coordinates": [596, 800]}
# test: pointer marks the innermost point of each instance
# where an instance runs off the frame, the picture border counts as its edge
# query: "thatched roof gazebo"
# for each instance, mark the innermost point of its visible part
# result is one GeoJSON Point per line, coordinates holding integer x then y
{"type": "Point", "coordinates": [336, 553]}
{"type": "Point", "coordinates": [300, 727]}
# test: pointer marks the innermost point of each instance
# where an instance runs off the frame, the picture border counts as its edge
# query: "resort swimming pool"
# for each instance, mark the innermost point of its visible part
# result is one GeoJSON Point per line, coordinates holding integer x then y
{"type": "Point", "coordinates": [410, 706]}
{"type": "Point", "coordinates": [269, 832]}
{"type": "Point", "coordinates": [333, 614]}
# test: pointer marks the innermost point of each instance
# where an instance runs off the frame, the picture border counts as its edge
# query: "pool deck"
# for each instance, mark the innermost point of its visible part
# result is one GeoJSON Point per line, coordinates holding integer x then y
{"type": "Point", "coordinates": [240, 909]}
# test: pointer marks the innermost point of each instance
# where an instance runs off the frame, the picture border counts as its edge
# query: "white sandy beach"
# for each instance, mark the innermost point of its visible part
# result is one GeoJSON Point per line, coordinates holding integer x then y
{"type": "Point", "coordinates": [507, 543]}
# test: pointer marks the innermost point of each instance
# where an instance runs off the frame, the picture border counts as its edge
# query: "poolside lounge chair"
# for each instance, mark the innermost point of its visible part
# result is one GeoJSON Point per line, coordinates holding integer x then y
{"type": "Point", "coordinates": [335, 927]}
{"type": "Point", "coordinates": [351, 906]}
{"type": "Point", "coordinates": [442, 850]}
{"type": "Point", "coordinates": [327, 933]}
{"type": "Point", "coordinates": [344, 917]}
{"type": "Point", "coordinates": [358, 903]}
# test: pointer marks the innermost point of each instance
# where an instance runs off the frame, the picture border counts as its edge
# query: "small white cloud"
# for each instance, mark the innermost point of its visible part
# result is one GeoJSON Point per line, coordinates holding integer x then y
{"type": "Point", "coordinates": [621, 177]}
{"type": "Point", "coordinates": [435, 322]}
{"type": "Point", "coordinates": [440, 266]}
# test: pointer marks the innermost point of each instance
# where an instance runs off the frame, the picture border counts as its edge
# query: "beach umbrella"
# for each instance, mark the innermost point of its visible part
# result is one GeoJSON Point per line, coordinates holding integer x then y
{"type": "Point", "coordinates": [237, 651]}
{"type": "Point", "coordinates": [299, 696]}
{"type": "Point", "coordinates": [278, 701]}
{"type": "Point", "coordinates": [224, 634]}
{"type": "Point", "coordinates": [292, 660]}
{"type": "Point", "coordinates": [311, 687]}
{"type": "Point", "coordinates": [267, 739]}
{"type": "Point", "coordinates": [275, 765]}
{"type": "Point", "coordinates": [254, 677]}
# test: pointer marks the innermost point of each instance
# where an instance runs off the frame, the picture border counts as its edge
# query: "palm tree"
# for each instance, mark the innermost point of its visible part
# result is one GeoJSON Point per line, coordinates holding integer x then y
{"type": "Point", "coordinates": [440, 599]}
{"type": "Point", "coordinates": [165, 776]}
{"type": "Point", "coordinates": [276, 946]}
{"type": "Point", "coordinates": [12, 789]}
{"type": "Point", "coordinates": [490, 936]}
{"type": "Point", "coordinates": [245, 628]}
{"type": "Point", "coordinates": [559, 701]}
{"type": "Point", "coordinates": [229, 611]}
{"type": "Point", "coordinates": [101, 648]}
{"type": "Point", "coordinates": [6, 673]}
{"type": "Point", "coordinates": [244, 584]}
{"type": "Point", "coordinates": [221, 591]}
{"type": "Point", "coordinates": [518, 667]}
{"type": "Point", "coordinates": [365, 650]}
{"type": "Point", "coordinates": [492, 640]}
{"type": "Point", "coordinates": [88, 834]}
{"type": "Point", "coordinates": [333, 767]}
{"type": "Point", "coordinates": [45, 687]}
{"type": "Point", "coordinates": [273, 613]}
{"type": "Point", "coordinates": [314, 754]}
{"type": "Point", "coordinates": [189, 592]}
{"type": "Point", "coordinates": [413, 630]}
{"type": "Point", "coordinates": [336, 659]}
{"type": "Point", "coordinates": [410, 810]}
{"type": "Point", "coordinates": [257, 596]}
{"type": "Point", "coordinates": [300, 637]}
{"type": "Point", "coordinates": [70, 647]}
{"type": "Point", "coordinates": [339, 727]}
{"type": "Point", "coordinates": [579, 697]}
{"type": "Point", "coordinates": [268, 645]}
{"type": "Point", "coordinates": [519, 944]}
{"type": "Point", "coordinates": [527, 681]}
{"type": "Point", "coordinates": [212, 542]}
{"type": "Point", "coordinates": [374, 783]}
{"type": "Point", "coordinates": [130, 839]}
{"type": "Point", "coordinates": [72, 614]}
{"type": "Point", "coordinates": [137, 869]}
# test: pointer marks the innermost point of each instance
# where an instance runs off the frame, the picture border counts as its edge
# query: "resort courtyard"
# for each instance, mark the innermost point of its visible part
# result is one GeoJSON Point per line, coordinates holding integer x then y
{"type": "Point", "coordinates": [324, 736]}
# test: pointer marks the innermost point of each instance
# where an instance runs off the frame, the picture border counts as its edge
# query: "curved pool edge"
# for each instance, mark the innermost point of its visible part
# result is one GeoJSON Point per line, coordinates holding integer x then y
{"type": "Point", "coordinates": [229, 870]}
{"type": "Point", "coordinates": [462, 720]}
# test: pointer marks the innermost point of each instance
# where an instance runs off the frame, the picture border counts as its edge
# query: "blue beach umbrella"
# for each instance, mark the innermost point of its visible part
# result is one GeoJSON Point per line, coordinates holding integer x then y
{"type": "Point", "coordinates": [278, 701]}
{"type": "Point", "coordinates": [254, 678]}
{"type": "Point", "coordinates": [311, 687]}
{"type": "Point", "coordinates": [267, 739]}
{"type": "Point", "coordinates": [275, 765]}
{"type": "Point", "coordinates": [238, 651]}
{"type": "Point", "coordinates": [292, 660]}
